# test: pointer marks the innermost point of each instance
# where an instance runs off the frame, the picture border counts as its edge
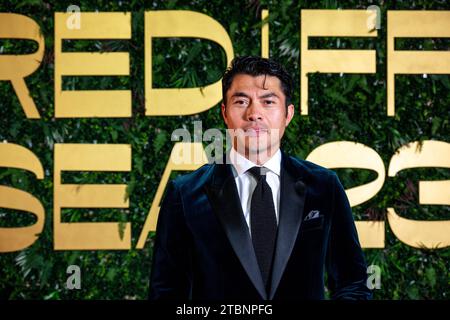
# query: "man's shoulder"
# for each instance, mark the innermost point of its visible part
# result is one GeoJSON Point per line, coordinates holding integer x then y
{"type": "Point", "coordinates": [195, 178]}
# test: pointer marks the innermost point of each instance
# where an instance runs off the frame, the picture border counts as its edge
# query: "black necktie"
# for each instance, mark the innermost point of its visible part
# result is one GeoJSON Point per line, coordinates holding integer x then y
{"type": "Point", "coordinates": [263, 224]}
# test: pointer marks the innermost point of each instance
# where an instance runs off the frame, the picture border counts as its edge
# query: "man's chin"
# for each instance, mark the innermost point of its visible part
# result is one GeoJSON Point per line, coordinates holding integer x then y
{"type": "Point", "coordinates": [262, 150]}
{"type": "Point", "coordinates": [261, 146]}
{"type": "Point", "coordinates": [253, 144]}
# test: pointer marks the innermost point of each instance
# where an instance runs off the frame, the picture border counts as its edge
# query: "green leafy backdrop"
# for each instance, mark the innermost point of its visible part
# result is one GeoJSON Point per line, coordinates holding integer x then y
{"type": "Point", "coordinates": [342, 107]}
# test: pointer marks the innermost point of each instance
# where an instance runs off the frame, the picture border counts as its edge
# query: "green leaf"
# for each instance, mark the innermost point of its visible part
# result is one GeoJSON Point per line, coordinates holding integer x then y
{"type": "Point", "coordinates": [52, 296]}
{"type": "Point", "coordinates": [334, 95]}
{"type": "Point", "coordinates": [413, 292]}
{"type": "Point", "coordinates": [114, 135]}
{"type": "Point", "coordinates": [435, 125]}
{"type": "Point", "coordinates": [159, 141]}
{"type": "Point", "coordinates": [430, 274]}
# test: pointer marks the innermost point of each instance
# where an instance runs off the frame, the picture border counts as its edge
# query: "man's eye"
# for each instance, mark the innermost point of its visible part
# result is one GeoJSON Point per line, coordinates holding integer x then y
{"type": "Point", "coordinates": [269, 102]}
{"type": "Point", "coordinates": [240, 102]}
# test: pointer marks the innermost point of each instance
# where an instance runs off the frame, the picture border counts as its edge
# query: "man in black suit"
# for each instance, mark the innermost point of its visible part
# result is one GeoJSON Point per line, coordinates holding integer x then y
{"type": "Point", "coordinates": [260, 224]}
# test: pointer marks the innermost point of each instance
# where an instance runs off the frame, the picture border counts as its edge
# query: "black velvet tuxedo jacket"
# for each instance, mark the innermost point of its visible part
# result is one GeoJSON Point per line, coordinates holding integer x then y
{"type": "Point", "coordinates": [203, 249]}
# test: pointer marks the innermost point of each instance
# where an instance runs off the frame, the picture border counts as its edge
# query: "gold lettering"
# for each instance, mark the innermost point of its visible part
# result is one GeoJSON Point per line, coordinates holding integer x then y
{"type": "Point", "coordinates": [333, 23]}
{"type": "Point", "coordinates": [265, 33]}
{"type": "Point", "coordinates": [414, 24]}
{"type": "Point", "coordinates": [92, 103]}
{"type": "Point", "coordinates": [90, 235]}
{"type": "Point", "coordinates": [16, 67]}
{"type": "Point", "coordinates": [168, 23]}
{"type": "Point", "coordinates": [419, 233]}
{"type": "Point", "coordinates": [15, 239]}
{"type": "Point", "coordinates": [347, 154]}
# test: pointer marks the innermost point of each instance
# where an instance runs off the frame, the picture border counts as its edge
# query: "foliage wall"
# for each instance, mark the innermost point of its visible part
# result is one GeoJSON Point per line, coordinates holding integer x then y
{"type": "Point", "coordinates": [341, 107]}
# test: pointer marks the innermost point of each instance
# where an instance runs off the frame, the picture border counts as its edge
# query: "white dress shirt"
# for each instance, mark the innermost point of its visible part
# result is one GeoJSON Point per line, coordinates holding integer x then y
{"type": "Point", "coordinates": [246, 183]}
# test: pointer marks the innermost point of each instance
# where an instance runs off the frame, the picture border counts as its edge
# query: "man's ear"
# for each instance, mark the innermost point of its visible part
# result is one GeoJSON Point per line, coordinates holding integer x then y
{"type": "Point", "coordinates": [290, 113]}
{"type": "Point", "coordinates": [224, 113]}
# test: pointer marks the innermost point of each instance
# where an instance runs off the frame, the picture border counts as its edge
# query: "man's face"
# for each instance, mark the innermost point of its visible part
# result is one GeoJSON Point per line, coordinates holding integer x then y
{"type": "Point", "coordinates": [256, 114]}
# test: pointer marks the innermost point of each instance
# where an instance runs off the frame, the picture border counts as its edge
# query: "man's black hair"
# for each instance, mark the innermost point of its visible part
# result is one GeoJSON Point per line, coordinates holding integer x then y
{"type": "Point", "coordinates": [257, 66]}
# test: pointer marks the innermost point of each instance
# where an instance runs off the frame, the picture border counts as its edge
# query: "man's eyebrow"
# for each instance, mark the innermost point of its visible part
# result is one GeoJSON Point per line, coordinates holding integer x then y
{"type": "Point", "coordinates": [269, 95]}
{"type": "Point", "coordinates": [240, 94]}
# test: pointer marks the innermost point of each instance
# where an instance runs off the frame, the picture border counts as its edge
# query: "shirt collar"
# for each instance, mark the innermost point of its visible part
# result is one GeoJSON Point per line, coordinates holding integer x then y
{"type": "Point", "coordinates": [241, 164]}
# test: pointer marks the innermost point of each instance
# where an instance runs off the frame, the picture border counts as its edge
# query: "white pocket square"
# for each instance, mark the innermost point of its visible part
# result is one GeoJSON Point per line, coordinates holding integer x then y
{"type": "Point", "coordinates": [313, 214]}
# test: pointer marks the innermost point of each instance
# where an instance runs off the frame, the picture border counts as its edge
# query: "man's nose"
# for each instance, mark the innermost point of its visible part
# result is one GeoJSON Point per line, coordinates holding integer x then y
{"type": "Point", "coordinates": [254, 112]}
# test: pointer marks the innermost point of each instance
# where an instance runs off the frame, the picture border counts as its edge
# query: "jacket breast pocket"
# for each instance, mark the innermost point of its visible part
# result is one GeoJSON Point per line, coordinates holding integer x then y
{"type": "Point", "coordinates": [313, 224]}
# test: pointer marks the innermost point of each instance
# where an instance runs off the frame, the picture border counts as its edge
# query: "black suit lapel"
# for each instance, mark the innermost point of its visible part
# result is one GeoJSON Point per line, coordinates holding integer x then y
{"type": "Point", "coordinates": [224, 198]}
{"type": "Point", "coordinates": [292, 200]}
